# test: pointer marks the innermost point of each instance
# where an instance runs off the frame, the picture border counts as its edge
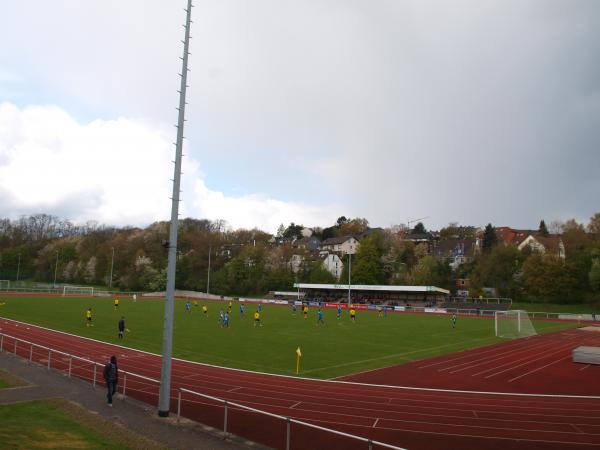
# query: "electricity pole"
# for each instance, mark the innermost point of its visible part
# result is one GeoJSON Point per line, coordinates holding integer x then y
{"type": "Point", "coordinates": [112, 264]}
{"type": "Point", "coordinates": [164, 399]}
{"type": "Point", "coordinates": [18, 268]}
{"type": "Point", "coordinates": [55, 269]}
{"type": "Point", "coordinates": [208, 279]}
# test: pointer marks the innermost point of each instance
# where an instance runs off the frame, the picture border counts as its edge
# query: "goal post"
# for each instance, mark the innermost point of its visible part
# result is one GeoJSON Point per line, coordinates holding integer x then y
{"type": "Point", "coordinates": [513, 324]}
{"type": "Point", "coordinates": [78, 290]}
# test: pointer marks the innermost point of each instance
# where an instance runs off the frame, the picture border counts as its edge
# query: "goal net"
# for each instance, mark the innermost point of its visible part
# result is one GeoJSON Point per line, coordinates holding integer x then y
{"type": "Point", "coordinates": [78, 290]}
{"type": "Point", "coordinates": [4, 284]}
{"type": "Point", "coordinates": [513, 324]}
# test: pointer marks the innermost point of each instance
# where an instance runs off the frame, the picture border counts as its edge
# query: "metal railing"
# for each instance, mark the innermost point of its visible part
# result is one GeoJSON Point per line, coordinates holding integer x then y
{"type": "Point", "coordinates": [86, 369]}
{"type": "Point", "coordinates": [73, 365]}
{"type": "Point", "coordinates": [370, 444]}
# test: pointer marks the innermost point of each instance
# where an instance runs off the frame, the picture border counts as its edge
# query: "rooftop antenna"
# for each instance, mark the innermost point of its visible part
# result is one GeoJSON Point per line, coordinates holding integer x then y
{"type": "Point", "coordinates": [164, 398]}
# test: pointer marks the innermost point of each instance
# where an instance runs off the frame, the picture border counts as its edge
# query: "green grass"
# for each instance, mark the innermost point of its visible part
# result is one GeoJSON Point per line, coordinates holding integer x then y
{"type": "Point", "coordinates": [338, 348]}
{"type": "Point", "coordinates": [3, 384]}
{"type": "Point", "coordinates": [41, 424]}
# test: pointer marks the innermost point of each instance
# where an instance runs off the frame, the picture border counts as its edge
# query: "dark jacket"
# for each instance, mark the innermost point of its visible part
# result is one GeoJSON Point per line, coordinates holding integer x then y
{"type": "Point", "coordinates": [121, 325]}
{"type": "Point", "coordinates": [111, 373]}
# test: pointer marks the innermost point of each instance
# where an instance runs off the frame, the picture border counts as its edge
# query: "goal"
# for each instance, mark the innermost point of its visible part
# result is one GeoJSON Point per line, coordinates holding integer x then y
{"type": "Point", "coordinates": [4, 284]}
{"type": "Point", "coordinates": [513, 324]}
{"type": "Point", "coordinates": [78, 290]}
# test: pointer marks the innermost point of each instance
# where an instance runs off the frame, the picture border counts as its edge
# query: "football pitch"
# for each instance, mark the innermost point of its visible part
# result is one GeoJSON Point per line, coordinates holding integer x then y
{"type": "Point", "coordinates": [339, 347]}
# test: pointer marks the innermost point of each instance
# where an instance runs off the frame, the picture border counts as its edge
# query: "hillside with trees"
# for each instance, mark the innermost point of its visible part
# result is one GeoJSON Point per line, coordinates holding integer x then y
{"type": "Point", "coordinates": [252, 262]}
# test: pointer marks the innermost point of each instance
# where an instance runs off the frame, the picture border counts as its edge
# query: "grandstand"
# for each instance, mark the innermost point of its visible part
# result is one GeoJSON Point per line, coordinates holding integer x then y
{"type": "Point", "coordinates": [374, 294]}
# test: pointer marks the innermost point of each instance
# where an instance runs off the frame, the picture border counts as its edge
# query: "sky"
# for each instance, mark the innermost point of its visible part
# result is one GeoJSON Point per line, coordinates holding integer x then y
{"type": "Point", "coordinates": [469, 111]}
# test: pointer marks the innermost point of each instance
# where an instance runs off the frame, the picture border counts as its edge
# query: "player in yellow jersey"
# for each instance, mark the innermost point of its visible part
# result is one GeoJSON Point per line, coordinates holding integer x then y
{"type": "Point", "coordinates": [205, 310]}
{"type": "Point", "coordinates": [305, 311]}
{"type": "Point", "coordinates": [257, 319]}
{"type": "Point", "coordinates": [88, 318]}
{"type": "Point", "coordinates": [116, 303]}
{"type": "Point", "coordinates": [352, 314]}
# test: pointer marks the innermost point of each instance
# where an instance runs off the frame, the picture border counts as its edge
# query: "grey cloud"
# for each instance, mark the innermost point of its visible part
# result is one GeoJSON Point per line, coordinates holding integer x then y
{"type": "Point", "coordinates": [463, 111]}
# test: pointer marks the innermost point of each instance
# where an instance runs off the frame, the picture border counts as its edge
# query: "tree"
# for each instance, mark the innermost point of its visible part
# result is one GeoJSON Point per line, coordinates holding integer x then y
{"type": "Point", "coordinates": [293, 232]}
{"type": "Point", "coordinates": [367, 267]}
{"type": "Point", "coordinates": [341, 221]}
{"type": "Point", "coordinates": [431, 271]}
{"type": "Point", "coordinates": [547, 278]}
{"type": "Point", "coordinates": [543, 230]}
{"type": "Point", "coordinates": [280, 231]}
{"type": "Point", "coordinates": [499, 269]}
{"type": "Point", "coordinates": [489, 238]}
{"type": "Point", "coordinates": [419, 228]}
{"type": "Point", "coordinates": [594, 276]}
{"type": "Point", "coordinates": [594, 225]}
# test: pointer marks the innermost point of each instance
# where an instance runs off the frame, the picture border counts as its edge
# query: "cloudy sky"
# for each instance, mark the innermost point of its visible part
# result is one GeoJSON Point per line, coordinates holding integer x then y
{"type": "Point", "coordinates": [469, 111]}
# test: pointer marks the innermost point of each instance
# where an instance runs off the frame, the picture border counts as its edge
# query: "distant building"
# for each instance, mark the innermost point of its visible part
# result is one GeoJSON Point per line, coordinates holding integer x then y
{"type": "Point", "coordinates": [455, 251]}
{"type": "Point", "coordinates": [428, 239]}
{"type": "Point", "coordinates": [310, 243]}
{"type": "Point", "coordinates": [552, 245]}
{"type": "Point", "coordinates": [510, 236]}
{"type": "Point", "coordinates": [333, 264]}
{"type": "Point", "coordinates": [343, 244]}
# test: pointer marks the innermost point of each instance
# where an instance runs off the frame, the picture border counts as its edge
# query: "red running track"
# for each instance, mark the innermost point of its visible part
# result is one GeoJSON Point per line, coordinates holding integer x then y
{"type": "Point", "coordinates": [412, 418]}
{"type": "Point", "coordinates": [539, 364]}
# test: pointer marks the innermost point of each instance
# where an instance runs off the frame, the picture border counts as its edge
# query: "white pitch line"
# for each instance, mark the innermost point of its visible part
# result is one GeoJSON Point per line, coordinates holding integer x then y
{"type": "Point", "coordinates": [539, 368]}
{"type": "Point", "coordinates": [376, 421]}
{"type": "Point", "coordinates": [294, 405]}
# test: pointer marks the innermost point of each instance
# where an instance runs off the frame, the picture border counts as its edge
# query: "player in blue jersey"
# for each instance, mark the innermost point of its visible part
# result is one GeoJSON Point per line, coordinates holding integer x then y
{"type": "Point", "coordinates": [339, 311]}
{"type": "Point", "coordinates": [241, 310]}
{"type": "Point", "coordinates": [320, 320]}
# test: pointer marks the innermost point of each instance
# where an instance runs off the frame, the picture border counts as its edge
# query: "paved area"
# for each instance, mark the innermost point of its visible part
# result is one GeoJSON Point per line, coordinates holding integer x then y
{"type": "Point", "coordinates": [128, 413]}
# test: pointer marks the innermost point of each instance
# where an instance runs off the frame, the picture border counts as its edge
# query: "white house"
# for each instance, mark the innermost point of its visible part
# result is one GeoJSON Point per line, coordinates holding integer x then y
{"type": "Point", "coordinates": [552, 245]}
{"type": "Point", "coordinates": [333, 264]}
{"type": "Point", "coordinates": [343, 244]}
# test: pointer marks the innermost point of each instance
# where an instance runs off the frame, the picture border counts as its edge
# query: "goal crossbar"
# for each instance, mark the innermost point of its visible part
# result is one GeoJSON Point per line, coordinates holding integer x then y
{"type": "Point", "coordinates": [75, 290]}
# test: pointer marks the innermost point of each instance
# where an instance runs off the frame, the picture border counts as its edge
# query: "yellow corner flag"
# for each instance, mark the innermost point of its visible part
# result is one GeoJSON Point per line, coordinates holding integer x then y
{"type": "Point", "coordinates": [298, 356]}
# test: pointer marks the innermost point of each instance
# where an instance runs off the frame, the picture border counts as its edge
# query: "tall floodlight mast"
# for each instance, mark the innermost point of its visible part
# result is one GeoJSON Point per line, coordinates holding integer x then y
{"type": "Point", "coordinates": [164, 399]}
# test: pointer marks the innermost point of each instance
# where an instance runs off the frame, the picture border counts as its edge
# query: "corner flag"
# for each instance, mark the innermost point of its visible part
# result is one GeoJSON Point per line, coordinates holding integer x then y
{"type": "Point", "coordinates": [298, 355]}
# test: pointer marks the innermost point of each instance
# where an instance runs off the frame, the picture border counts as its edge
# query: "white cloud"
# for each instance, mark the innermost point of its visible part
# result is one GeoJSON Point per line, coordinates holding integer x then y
{"type": "Point", "coordinates": [113, 171]}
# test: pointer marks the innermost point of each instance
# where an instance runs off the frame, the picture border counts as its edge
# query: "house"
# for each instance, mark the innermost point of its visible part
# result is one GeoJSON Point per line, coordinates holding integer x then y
{"type": "Point", "coordinates": [510, 236]}
{"type": "Point", "coordinates": [310, 243]}
{"type": "Point", "coordinates": [333, 264]}
{"type": "Point", "coordinates": [456, 251]}
{"type": "Point", "coordinates": [343, 244]}
{"type": "Point", "coordinates": [428, 239]}
{"type": "Point", "coordinates": [551, 244]}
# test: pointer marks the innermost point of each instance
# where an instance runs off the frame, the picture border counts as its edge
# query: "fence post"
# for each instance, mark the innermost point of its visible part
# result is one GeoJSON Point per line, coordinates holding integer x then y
{"type": "Point", "coordinates": [1, 343]}
{"type": "Point", "coordinates": [49, 356]}
{"type": "Point", "coordinates": [70, 364]}
{"type": "Point", "coordinates": [288, 434]}
{"type": "Point", "coordinates": [370, 444]}
{"type": "Point", "coordinates": [124, 384]}
{"type": "Point", "coordinates": [225, 422]}
{"type": "Point", "coordinates": [31, 353]}
{"type": "Point", "coordinates": [16, 346]}
{"type": "Point", "coordinates": [179, 405]}
{"type": "Point", "coordinates": [94, 384]}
